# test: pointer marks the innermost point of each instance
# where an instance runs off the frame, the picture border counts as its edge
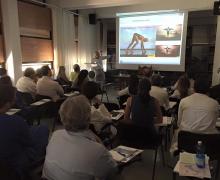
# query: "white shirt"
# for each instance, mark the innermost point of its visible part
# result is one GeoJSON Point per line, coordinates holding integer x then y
{"type": "Point", "coordinates": [123, 92]}
{"type": "Point", "coordinates": [161, 95]}
{"type": "Point", "coordinates": [71, 156]}
{"type": "Point", "coordinates": [198, 113]}
{"type": "Point", "coordinates": [26, 85]}
{"type": "Point", "coordinates": [48, 87]}
{"type": "Point", "coordinates": [100, 117]}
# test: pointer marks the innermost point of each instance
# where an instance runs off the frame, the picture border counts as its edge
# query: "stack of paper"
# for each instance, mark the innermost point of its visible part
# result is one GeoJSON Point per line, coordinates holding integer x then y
{"type": "Point", "coordinates": [124, 154]}
{"type": "Point", "coordinates": [117, 114]}
{"type": "Point", "coordinates": [186, 166]}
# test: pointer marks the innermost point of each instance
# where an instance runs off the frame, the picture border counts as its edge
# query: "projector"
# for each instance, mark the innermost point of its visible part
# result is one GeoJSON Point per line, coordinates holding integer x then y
{"type": "Point", "coordinates": [216, 9]}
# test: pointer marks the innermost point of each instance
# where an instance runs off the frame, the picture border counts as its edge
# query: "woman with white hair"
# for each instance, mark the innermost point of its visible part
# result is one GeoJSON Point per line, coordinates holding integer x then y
{"type": "Point", "coordinates": [74, 153]}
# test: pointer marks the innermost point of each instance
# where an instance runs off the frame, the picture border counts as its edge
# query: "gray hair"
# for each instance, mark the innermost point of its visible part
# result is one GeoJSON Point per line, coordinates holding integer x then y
{"type": "Point", "coordinates": [75, 113]}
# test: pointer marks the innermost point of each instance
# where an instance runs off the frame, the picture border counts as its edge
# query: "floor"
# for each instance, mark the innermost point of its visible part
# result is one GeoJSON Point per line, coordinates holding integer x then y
{"type": "Point", "coordinates": [140, 170]}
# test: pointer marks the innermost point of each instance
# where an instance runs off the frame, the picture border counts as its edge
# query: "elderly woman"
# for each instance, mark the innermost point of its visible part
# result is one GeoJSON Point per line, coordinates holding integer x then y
{"type": "Point", "coordinates": [74, 153]}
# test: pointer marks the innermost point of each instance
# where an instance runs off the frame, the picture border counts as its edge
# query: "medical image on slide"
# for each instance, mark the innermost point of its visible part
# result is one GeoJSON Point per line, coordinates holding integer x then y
{"type": "Point", "coordinates": [167, 33]}
{"type": "Point", "coordinates": [167, 51]}
{"type": "Point", "coordinates": [137, 42]}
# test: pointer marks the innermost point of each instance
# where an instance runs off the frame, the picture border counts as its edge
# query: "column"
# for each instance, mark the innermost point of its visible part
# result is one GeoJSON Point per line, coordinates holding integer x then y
{"type": "Point", "coordinates": [216, 62]}
{"type": "Point", "coordinates": [12, 38]}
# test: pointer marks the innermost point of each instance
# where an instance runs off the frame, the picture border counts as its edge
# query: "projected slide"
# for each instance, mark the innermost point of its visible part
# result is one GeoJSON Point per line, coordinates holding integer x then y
{"type": "Point", "coordinates": [150, 38]}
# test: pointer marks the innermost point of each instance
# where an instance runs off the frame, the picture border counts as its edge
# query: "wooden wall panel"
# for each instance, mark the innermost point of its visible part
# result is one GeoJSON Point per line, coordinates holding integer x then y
{"type": "Point", "coordinates": [34, 17]}
{"type": "Point", "coordinates": [2, 57]}
{"type": "Point", "coordinates": [36, 50]}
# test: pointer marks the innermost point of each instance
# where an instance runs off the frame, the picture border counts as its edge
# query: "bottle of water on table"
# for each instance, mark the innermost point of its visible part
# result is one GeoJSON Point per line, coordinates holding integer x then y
{"type": "Point", "coordinates": [200, 155]}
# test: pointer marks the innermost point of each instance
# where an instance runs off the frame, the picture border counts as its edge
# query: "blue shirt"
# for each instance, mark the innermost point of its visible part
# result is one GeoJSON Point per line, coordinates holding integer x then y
{"type": "Point", "coordinates": [15, 139]}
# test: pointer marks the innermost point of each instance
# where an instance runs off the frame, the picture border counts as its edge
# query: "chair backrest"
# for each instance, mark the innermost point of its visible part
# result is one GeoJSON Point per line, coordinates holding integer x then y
{"type": "Point", "coordinates": [187, 141]}
{"type": "Point", "coordinates": [137, 136]}
{"type": "Point", "coordinates": [23, 99]}
{"type": "Point", "coordinates": [39, 97]}
{"type": "Point", "coordinates": [111, 106]}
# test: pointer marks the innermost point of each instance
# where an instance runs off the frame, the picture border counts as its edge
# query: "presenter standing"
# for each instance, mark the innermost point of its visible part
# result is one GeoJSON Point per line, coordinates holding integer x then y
{"type": "Point", "coordinates": [98, 68]}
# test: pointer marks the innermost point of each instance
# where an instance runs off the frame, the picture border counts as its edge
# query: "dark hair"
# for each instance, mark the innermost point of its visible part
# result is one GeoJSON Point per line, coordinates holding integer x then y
{"type": "Point", "coordinates": [133, 84]}
{"type": "Point", "coordinates": [202, 85]}
{"type": "Point", "coordinates": [5, 80]}
{"type": "Point", "coordinates": [45, 70]}
{"type": "Point", "coordinates": [76, 67]}
{"type": "Point", "coordinates": [7, 94]}
{"type": "Point", "coordinates": [183, 86]}
{"type": "Point", "coordinates": [144, 88]}
{"type": "Point", "coordinates": [29, 72]}
{"type": "Point", "coordinates": [156, 80]}
{"type": "Point", "coordinates": [3, 71]}
{"type": "Point", "coordinates": [81, 77]}
{"type": "Point", "coordinates": [91, 74]}
{"type": "Point", "coordinates": [90, 89]}
{"type": "Point", "coordinates": [39, 73]}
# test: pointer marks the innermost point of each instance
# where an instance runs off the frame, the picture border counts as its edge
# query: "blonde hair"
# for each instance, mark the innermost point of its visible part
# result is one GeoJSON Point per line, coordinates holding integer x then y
{"type": "Point", "coordinates": [75, 113]}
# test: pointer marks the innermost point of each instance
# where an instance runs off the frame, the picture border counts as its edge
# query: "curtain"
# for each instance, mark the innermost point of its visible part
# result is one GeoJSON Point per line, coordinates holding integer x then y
{"type": "Point", "coordinates": [64, 40]}
{"type": "Point", "coordinates": [87, 42]}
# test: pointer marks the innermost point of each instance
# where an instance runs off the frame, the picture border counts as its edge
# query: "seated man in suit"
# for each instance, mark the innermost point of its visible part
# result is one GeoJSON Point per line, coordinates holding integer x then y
{"type": "Point", "coordinates": [48, 87]}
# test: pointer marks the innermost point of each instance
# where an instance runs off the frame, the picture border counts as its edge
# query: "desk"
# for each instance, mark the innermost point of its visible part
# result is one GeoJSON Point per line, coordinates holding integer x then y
{"type": "Point", "coordinates": [13, 111]}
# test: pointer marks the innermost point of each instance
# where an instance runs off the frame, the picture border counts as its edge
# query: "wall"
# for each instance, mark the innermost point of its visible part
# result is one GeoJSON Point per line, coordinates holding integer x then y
{"type": "Point", "coordinates": [146, 4]}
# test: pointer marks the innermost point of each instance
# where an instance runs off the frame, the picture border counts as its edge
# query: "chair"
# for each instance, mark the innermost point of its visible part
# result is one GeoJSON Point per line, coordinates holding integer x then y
{"type": "Point", "coordinates": [187, 141]}
{"type": "Point", "coordinates": [138, 137]}
{"type": "Point", "coordinates": [104, 90]}
{"type": "Point", "coordinates": [111, 106]}
{"type": "Point", "coordinates": [23, 99]}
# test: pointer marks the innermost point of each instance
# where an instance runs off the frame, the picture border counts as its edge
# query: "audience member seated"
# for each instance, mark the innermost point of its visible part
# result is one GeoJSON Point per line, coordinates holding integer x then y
{"type": "Point", "coordinates": [183, 88]}
{"type": "Point", "coordinates": [3, 72]}
{"type": "Point", "coordinates": [20, 145]}
{"type": "Point", "coordinates": [61, 77]}
{"type": "Point", "coordinates": [159, 93]}
{"type": "Point", "coordinates": [38, 74]}
{"type": "Point", "coordinates": [81, 79]}
{"type": "Point", "coordinates": [6, 80]}
{"type": "Point", "coordinates": [132, 86]}
{"type": "Point", "coordinates": [197, 112]}
{"type": "Point", "coordinates": [74, 75]}
{"type": "Point", "coordinates": [91, 76]}
{"type": "Point", "coordinates": [191, 76]}
{"type": "Point", "coordinates": [84, 156]}
{"type": "Point", "coordinates": [26, 83]}
{"type": "Point", "coordinates": [145, 71]}
{"type": "Point", "coordinates": [48, 87]}
{"type": "Point", "coordinates": [99, 114]}
{"type": "Point", "coordinates": [143, 110]}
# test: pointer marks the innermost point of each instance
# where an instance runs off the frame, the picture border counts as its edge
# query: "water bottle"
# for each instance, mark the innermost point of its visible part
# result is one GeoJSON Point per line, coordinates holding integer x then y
{"type": "Point", "coordinates": [200, 155]}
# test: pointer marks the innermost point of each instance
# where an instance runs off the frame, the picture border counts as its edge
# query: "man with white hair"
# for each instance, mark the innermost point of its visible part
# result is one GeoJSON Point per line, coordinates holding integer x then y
{"type": "Point", "coordinates": [74, 153]}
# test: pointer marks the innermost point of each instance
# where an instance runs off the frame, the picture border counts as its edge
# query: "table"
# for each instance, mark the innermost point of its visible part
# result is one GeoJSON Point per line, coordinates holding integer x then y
{"type": "Point", "coordinates": [186, 166]}
{"type": "Point", "coordinates": [13, 111]}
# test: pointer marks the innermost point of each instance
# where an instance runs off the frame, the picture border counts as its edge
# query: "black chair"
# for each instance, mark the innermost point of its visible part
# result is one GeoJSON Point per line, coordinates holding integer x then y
{"type": "Point", "coordinates": [104, 90]}
{"type": "Point", "coordinates": [23, 99]}
{"type": "Point", "coordinates": [122, 100]}
{"type": "Point", "coordinates": [111, 106]}
{"type": "Point", "coordinates": [187, 141]}
{"type": "Point", "coordinates": [140, 138]}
